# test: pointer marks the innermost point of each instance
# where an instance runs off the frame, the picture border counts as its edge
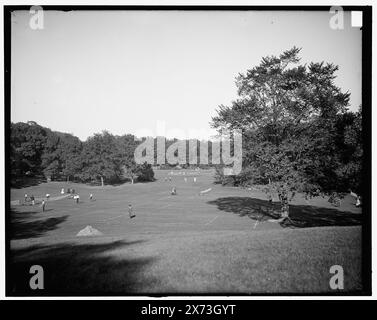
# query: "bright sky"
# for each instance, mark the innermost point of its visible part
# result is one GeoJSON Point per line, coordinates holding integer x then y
{"type": "Point", "coordinates": [158, 72]}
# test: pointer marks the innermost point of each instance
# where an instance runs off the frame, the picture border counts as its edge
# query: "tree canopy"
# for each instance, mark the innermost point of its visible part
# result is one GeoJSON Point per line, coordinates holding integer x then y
{"type": "Point", "coordinates": [39, 151]}
{"type": "Point", "coordinates": [296, 126]}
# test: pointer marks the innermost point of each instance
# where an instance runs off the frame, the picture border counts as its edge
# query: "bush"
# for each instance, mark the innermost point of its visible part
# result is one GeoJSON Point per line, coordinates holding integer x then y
{"type": "Point", "coordinates": [145, 172]}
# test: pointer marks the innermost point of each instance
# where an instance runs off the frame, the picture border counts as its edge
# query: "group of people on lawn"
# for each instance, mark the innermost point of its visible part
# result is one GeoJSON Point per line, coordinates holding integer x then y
{"type": "Point", "coordinates": [76, 197]}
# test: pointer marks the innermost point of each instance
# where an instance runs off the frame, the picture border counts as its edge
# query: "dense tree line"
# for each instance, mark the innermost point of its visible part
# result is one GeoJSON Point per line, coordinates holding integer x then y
{"type": "Point", "coordinates": [36, 151]}
{"type": "Point", "coordinates": [298, 134]}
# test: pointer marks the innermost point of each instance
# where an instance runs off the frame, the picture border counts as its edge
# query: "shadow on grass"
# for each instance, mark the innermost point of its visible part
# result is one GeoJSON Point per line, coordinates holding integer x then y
{"type": "Point", "coordinates": [74, 269]}
{"type": "Point", "coordinates": [24, 182]}
{"type": "Point", "coordinates": [23, 225]}
{"type": "Point", "coordinates": [301, 216]}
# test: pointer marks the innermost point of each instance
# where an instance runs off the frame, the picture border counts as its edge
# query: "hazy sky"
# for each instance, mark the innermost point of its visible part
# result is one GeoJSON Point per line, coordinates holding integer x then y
{"type": "Point", "coordinates": [130, 71]}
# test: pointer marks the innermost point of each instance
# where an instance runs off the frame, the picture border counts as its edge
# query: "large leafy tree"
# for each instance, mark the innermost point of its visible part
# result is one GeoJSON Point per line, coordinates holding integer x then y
{"type": "Point", "coordinates": [51, 157]}
{"type": "Point", "coordinates": [141, 172]}
{"type": "Point", "coordinates": [70, 153]}
{"type": "Point", "coordinates": [350, 151]}
{"type": "Point", "coordinates": [101, 159]}
{"type": "Point", "coordinates": [61, 155]}
{"type": "Point", "coordinates": [287, 114]}
{"type": "Point", "coordinates": [131, 170]}
{"type": "Point", "coordinates": [27, 142]}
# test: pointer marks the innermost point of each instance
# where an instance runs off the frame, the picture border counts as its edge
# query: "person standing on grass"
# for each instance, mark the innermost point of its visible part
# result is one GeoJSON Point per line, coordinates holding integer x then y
{"type": "Point", "coordinates": [269, 197]}
{"type": "Point", "coordinates": [358, 202]}
{"type": "Point", "coordinates": [77, 198]}
{"type": "Point", "coordinates": [32, 199]}
{"type": "Point", "coordinates": [91, 197]}
{"type": "Point", "coordinates": [25, 198]}
{"type": "Point", "coordinates": [130, 211]}
{"type": "Point", "coordinates": [43, 205]}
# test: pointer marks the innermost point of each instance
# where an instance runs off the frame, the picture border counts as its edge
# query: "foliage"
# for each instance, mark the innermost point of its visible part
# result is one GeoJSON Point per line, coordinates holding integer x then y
{"type": "Point", "coordinates": [36, 150]}
{"type": "Point", "coordinates": [297, 132]}
{"type": "Point", "coordinates": [27, 142]}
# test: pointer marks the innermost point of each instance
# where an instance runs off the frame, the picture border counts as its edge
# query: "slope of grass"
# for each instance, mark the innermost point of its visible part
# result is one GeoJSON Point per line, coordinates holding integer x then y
{"type": "Point", "coordinates": [180, 244]}
{"type": "Point", "coordinates": [277, 261]}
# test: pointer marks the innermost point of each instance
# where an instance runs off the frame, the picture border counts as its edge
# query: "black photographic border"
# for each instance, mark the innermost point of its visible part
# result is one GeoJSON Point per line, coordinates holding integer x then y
{"type": "Point", "coordinates": [366, 125]}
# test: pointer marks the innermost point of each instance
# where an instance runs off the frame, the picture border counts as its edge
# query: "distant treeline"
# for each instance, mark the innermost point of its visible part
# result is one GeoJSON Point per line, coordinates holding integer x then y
{"type": "Point", "coordinates": [36, 151]}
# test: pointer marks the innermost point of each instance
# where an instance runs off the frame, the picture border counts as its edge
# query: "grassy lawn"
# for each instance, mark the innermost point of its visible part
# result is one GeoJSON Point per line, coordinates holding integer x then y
{"type": "Point", "coordinates": [180, 244]}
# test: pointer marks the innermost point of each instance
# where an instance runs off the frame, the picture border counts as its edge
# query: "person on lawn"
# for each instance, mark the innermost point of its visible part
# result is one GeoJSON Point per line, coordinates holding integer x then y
{"type": "Point", "coordinates": [32, 199]}
{"type": "Point", "coordinates": [130, 211]}
{"type": "Point", "coordinates": [358, 202]}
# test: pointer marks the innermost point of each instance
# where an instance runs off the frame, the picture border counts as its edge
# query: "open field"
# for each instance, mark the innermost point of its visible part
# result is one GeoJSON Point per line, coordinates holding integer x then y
{"type": "Point", "coordinates": [220, 242]}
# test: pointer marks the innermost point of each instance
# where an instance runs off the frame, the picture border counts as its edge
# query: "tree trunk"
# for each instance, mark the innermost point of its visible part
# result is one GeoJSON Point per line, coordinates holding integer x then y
{"type": "Point", "coordinates": [67, 179]}
{"type": "Point", "coordinates": [102, 184]}
{"type": "Point", "coordinates": [283, 196]}
{"type": "Point", "coordinates": [285, 210]}
{"type": "Point", "coordinates": [132, 180]}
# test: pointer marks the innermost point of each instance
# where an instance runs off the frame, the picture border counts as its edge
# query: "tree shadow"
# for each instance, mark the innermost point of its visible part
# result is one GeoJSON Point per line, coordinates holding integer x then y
{"type": "Point", "coordinates": [300, 216]}
{"type": "Point", "coordinates": [23, 225]}
{"type": "Point", "coordinates": [24, 182]}
{"type": "Point", "coordinates": [79, 269]}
